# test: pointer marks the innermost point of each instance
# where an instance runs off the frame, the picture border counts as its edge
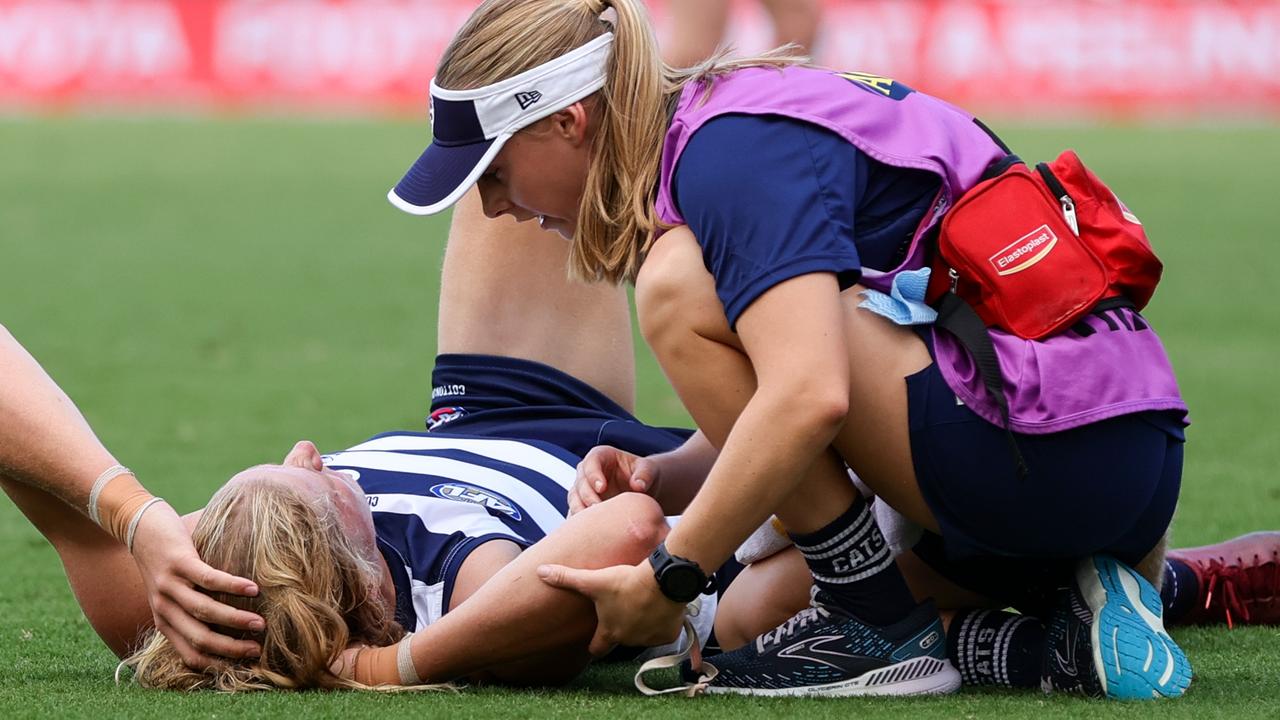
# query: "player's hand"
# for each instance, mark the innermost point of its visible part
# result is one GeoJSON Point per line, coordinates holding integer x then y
{"type": "Point", "coordinates": [606, 472]}
{"type": "Point", "coordinates": [344, 666]}
{"type": "Point", "coordinates": [630, 609]}
{"type": "Point", "coordinates": [174, 576]}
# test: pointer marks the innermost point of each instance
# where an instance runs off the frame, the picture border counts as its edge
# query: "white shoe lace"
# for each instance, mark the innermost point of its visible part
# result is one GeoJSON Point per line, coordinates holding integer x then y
{"type": "Point", "coordinates": [797, 622]}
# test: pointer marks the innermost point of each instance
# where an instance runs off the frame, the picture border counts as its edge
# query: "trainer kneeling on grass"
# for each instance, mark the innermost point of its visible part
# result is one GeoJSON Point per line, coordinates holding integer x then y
{"type": "Point", "coordinates": [1045, 472]}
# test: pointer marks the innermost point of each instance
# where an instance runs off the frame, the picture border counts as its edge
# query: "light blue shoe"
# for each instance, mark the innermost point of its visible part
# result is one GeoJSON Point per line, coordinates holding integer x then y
{"type": "Point", "coordinates": [1134, 657]}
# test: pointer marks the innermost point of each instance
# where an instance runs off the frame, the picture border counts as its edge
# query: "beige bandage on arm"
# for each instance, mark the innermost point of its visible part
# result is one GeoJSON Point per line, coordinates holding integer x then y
{"type": "Point", "coordinates": [117, 503]}
{"type": "Point", "coordinates": [392, 665]}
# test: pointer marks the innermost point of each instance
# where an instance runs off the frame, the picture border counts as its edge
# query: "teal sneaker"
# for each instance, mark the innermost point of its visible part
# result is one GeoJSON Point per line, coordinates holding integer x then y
{"type": "Point", "coordinates": [1107, 639]}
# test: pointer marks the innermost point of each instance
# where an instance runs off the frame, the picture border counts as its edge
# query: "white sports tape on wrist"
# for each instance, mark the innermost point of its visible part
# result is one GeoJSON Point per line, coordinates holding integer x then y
{"type": "Point", "coordinates": [107, 476]}
{"type": "Point", "coordinates": [137, 517]}
{"type": "Point", "coordinates": [404, 662]}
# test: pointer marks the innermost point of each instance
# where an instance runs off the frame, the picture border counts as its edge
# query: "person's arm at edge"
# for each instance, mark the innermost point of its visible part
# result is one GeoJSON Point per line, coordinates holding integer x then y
{"type": "Point", "coordinates": [45, 442]}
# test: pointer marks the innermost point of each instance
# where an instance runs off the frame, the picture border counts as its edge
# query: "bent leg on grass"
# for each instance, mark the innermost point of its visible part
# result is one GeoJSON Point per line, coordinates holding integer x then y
{"type": "Point", "coordinates": [505, 291]}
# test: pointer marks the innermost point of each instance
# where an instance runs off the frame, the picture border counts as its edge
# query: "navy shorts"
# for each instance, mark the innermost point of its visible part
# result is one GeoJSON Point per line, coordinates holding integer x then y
{"type": "Point", "coordinates": [1107, 487]}
{"type": "Point", "coordinates": [495, 396]}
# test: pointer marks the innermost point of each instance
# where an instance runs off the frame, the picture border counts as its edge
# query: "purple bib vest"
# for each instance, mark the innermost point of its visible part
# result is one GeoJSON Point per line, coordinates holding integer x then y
{"type": "Point", "coordinates": [1066, 381]}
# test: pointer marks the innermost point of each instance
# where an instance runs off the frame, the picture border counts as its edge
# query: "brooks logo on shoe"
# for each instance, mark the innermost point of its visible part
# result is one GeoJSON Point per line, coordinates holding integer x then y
{"type": "Point", "coordinates": [811, 649]}
{"type": "Point", "coordinates": [1067, 665]}
{"type": "Point", "coordinates": [528, 98]}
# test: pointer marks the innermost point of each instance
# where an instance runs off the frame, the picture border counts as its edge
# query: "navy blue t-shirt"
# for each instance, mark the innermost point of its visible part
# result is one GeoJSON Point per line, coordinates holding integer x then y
{"type": "Point", "coordinates": [770, 198]}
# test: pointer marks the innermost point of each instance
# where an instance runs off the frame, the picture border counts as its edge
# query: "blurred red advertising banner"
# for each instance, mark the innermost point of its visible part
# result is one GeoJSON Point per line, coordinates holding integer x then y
{"type": "Point", "coordinates": [1028, 57]}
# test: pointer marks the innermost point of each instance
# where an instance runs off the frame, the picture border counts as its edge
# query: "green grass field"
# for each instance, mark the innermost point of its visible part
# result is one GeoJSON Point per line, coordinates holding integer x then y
{"type": "Point", "coordinates": [211, 291]}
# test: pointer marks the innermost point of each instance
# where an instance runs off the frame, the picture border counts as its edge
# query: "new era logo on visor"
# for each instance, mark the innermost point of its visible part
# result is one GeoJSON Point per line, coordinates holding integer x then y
{"type": "Point", "coordinates": [528, 98]}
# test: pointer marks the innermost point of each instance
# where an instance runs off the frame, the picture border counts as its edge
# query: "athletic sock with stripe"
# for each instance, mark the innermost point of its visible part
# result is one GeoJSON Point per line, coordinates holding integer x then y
{"type": "Point", "coordinates": [853, 566]}
{"type": "Point", "coordinates": [1180, 590]}
{"type": "Point", "coordinates": [991, 647]}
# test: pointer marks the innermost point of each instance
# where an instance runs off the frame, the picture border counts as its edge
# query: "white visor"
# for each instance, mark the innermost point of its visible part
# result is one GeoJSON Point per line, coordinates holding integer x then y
{"type": "Point", "coordinates": [469, 127]}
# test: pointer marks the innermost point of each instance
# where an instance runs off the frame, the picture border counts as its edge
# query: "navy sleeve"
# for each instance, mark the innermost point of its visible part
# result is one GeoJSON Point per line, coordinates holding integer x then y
{"type": "Point", "coordinates": [770, 198]}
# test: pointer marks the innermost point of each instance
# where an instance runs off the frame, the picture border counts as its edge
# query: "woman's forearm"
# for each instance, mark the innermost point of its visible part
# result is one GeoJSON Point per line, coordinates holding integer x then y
{"type": "Point", "coordinates": [683, 472]}
{"type": "Point", "coordinates": [44, 440]}
{"type": "Point", "coordinates": [763, 462]}
{"type": "Point", "coordinates": [47, 445]}
{"type": "Point", "coordinates": [793, 336]}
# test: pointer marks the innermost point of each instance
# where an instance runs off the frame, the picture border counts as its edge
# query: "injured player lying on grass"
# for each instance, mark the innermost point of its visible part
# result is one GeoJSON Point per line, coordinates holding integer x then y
{"type": "Point", "coordinates": [442, 533]}
{"type": "Point", "coordinates": [344, 563]}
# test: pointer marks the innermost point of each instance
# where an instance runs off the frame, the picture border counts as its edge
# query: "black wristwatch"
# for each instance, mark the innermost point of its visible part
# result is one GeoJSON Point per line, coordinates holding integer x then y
{"type": "Point", "coordinates": [679, 579]}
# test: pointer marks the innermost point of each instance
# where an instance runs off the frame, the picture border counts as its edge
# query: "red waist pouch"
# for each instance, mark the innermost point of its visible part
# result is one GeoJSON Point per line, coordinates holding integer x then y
{"type": "Point", "coordinates": [1034, 251]}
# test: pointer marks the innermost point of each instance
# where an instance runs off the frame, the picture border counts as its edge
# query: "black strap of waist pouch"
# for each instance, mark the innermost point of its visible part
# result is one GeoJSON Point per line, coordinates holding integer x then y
{"type": "Point", "coordinates": [1112, 303]}
{"type": "Point", "coordinates": [960, 319]}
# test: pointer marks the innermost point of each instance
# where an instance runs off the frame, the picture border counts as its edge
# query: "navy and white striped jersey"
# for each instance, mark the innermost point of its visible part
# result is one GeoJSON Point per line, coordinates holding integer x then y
{"type": "Point", "coordinates": [437, 497]}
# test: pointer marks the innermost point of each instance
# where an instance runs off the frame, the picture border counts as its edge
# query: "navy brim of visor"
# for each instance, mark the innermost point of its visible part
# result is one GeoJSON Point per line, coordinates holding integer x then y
{"type": "Point", "coordinates": [441, 175]}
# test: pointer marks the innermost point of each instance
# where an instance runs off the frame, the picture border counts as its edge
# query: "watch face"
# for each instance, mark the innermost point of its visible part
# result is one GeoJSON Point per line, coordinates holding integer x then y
{"type": "Point", "coordinates": [681, 582]}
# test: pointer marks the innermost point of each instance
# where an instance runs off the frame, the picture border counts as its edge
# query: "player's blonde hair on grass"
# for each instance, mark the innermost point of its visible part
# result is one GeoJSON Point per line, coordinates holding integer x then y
{"type": "Point", "coordinates": [616, 218]}
{"type": "Point", "coordinates": [317, 593]}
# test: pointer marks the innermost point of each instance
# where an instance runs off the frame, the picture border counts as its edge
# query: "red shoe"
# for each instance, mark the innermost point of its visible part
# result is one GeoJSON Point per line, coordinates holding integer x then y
{"type": "Point", "coordinates": [1239, 580]}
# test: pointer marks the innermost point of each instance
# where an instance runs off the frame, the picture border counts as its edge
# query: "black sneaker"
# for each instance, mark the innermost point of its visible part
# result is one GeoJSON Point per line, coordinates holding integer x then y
{"type": "Point", "coordinates": [1067, 665]}
{"type": "Point", "coordinates": [1107, 639]}
{"type": "Point", "coordinates": [824, 650]}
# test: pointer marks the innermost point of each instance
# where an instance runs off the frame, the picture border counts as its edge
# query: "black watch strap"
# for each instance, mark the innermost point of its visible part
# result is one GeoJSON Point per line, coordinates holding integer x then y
{"type": "Point", "coordinates": [680, 579]}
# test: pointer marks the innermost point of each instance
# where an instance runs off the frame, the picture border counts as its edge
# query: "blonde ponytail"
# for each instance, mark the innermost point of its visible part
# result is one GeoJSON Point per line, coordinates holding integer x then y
{"type": "Point", "coordinates": [617, 217]}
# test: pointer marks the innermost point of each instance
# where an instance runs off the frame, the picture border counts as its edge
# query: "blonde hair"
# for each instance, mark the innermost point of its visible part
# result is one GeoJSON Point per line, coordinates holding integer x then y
{"type": "Point", "coordinates": [317, 593]}
{"type": "Point", "coordinates": [616, 218]}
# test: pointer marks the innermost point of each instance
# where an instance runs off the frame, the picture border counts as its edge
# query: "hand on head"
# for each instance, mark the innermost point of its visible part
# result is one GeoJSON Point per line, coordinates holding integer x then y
{"type": "Point", "coordinates": [178, 585]}
{"type": "Point", "coordinates": [290, 521]}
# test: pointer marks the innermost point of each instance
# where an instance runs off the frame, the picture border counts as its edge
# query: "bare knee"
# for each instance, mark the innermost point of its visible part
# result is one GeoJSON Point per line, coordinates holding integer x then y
{"type": "Point", "coordinates": [640, 525]}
